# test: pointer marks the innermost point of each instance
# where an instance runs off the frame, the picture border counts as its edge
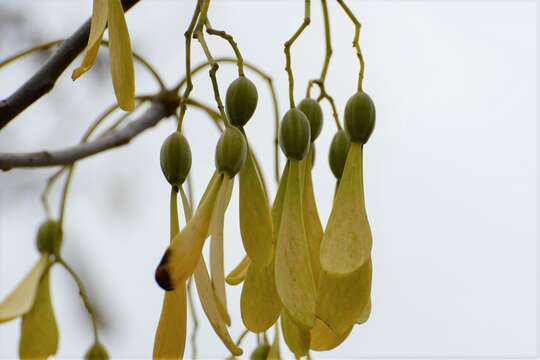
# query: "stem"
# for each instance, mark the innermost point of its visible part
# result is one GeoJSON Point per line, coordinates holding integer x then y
{"type": "Point", "coordinates": [83, 294]}
{"type": "Point", "coordinates": [234, 45]}
{"type": "Point", "coordinates": [356, 41]}
{"type": "Point", "coordinates": [21, 54]}
{"type": "Point", "coordinates": [188, 35]}
{"type": "Point", "coordinates": [213, 64]}
{"type": "Point", "coordinates": [194, 317]}
{"type": "Point", "coordinates": [287, 50]}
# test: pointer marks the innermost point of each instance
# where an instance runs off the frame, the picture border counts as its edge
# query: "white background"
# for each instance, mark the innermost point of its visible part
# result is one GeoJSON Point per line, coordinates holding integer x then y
{"type": "Point", "coordinates": [450, 171]}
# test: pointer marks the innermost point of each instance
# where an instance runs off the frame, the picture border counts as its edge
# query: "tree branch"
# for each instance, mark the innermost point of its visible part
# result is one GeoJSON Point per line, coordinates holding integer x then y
{"type": "Point", "coordinates": [45, 78]}
{"type": "Point", "coordinates": [156, 112]}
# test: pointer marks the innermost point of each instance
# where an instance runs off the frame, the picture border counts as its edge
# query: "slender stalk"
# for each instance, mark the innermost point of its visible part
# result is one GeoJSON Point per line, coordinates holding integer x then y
{"type": "Point", "coordinates": [288, 44]}
{"type": "Point", "coordinates": [21, 54]}
{"type": "Point", "coordinates": [234, 45]}
{"type": "Point", "coordinates": [189, 85]}
{"type": "Point", "coordinates": [213, 64]}
{"type": "Point", "coordinates": [84, 296]}
{"type": "Point", "coordinates": [356, 40]}
{"type": "Point", "coordinates": [194, 318]}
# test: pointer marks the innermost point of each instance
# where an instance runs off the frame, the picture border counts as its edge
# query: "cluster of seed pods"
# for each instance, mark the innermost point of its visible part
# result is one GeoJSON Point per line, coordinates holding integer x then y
{"type": "Point", "coordinates": [316, 280]}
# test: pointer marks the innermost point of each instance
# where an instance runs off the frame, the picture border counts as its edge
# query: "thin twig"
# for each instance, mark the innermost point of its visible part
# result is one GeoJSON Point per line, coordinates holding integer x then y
{"type": "Point", "coordinates": [287, 50]}
{"type": "Point", "coordinates": [356, 40]}
{"type": "Point", "coordinates": [234, 45]}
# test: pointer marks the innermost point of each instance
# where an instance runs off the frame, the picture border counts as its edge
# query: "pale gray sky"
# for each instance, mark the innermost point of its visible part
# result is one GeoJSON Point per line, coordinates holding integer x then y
{"type": "Point", "coordinates": [450, 171]}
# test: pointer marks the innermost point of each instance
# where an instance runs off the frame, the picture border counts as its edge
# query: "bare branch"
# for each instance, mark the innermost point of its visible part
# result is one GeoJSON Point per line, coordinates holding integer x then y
{"type": "Point", "coordinates": [156, 112]}
{"type": "Point", "coordinates": [45, 78]}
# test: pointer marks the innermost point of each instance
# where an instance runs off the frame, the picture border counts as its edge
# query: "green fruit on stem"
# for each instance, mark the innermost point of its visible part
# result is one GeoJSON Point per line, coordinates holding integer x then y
{"type": "Point", "coordinates": [49, 237]}
{"type": "Point", "coordinates": [175, 158]}
{"type": "Point", "coordinates": [295, 134]}
{"type": "Point", "coordinates": [339, 148]}
{"type": "Point", "coordinates": [96, 352]}
{"type": "Point", "coordinates": [231, 151]}
{"type": "Point", "coordinates": [241, 101]}
{"type": "Point", "coordinates": [314, 113]}
{"type": "Point", "coordinates": [359, 117]}
{"type": "Point", "coordinates": [260, 352]}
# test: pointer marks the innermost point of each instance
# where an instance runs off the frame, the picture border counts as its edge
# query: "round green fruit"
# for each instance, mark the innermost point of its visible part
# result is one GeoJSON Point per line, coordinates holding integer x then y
{"type": "Point", "coordinates": [175, 158]}
{"type": "Point", "coordinates": [49, 237]}
{"type": "Point", "coordinates": [231, 151]}
{"type": "Point", "coordinates": [337, 156]}
{"type": "Point", "coordinates": [260, 352]}
{"type": "Point", "coordinates": [241, 101]}
{"type": "Point", "coordinates": [313, 111]}
{"type": "Point", "coordinates": [96, 352]}
{"type": "Point", "coordinates": [295, 134]}
{"type": "Point", "coordinates": [359, 117]}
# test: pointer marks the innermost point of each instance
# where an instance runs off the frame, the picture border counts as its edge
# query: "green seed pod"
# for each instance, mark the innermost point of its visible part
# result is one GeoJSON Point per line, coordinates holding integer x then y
{"type": "Point", "coordinates": [49, 237]}
{"type": "Point", "coordinates": [260, 352]}
{"type": "Point", "coordinates": [339, 148]}
{"type": "Point", "coordinates": [175, 158]}
{"type": "Point", "coordinates": [241, 101]}
{"type": "Point", "coordinates": [314, 113]}
{"type": "Point", "coordinates": [231, 151]}
{"type": "Point", "coordinates": [295, 134]}
{"type": "Point", "coordinates": [96, 352]}
{"type": "Point", "coordinates": [359, 117]}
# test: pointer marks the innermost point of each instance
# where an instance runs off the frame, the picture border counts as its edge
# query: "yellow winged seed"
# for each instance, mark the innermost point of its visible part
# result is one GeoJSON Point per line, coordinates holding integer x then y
{"type": "Point", "coordinates": [238, 274]}
{"type": "Point", "coordinates": [366, 312]}
{"type": "Point", "coordinates": [123, 74]}
{"type": "Point", "coordinates": [39, 331]}
{"type": "Point", "coordinates": [294, 278]}
{"type": "Point", "coordinates": [324, 339]}
{"type": "Point", "coordinates": [210, 307]}
{"type": "Point", "coordinates": [97, 27]}
{"type": "Point", "coordinates": [182, 256]}
{"type": "Point", "coordinates": [296, 337]}
{"type": "Point", "coordinates": [255, 217]}
{"type": "Point", "coordinates": [312, 222]}
{"type": "Point", "coordinates": [277, 207]}
{"type": "Point", "coordinates": [20, 301]}
{"type": "Point", "coordinates": [346, 244]}
{"type": "Point", "coordinates": [217, 269]}
{"type": "Point", "coordinates": [342, 298]}
{"type": "Point", "coordinates": [274, 353]}
{"type": "Point", "coordinates": [170, 337]}
{"type": "Point", "coordinates": [259, 302]}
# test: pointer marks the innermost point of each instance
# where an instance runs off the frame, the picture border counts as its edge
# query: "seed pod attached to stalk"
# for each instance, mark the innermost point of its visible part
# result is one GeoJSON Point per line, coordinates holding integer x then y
{"type": "Point", "coordinates": [49, 237]}
{"type": "Point", "coordinates": [359, 117]}
{"type": "Point", "coordinates": [175, 158]}
{"type": "Point", "coordinates": [337, 155]}
{"type": "Point", "coordinates": [295, 134]}
{"type": "Point", "coordinates": [241, 101]}
{"type": "Point", "coordinates": [313, 112]}
{"type": "Point", "coordinates": [231, 151]}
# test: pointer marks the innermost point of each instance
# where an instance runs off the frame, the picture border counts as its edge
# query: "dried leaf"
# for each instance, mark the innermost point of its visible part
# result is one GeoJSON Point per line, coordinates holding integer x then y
{"type": "Point", "coordinates": [296, 336]}
{"type": "Point", "coordinates": [123, 74]}
{"type": "Point", "coordinates": [20, 301]}
{"type": "Point", "coordinates": [97, 27]}
{"type": "Point", "coordinates": [346, 244]}
{"type": "Point", "coordinates": [238, 274]}
{"type": "Point", "coordinates": [39, 331]}
{"type": "Point", "coordinates": [255, 217]}
{"type": "Point", "coordinates": [342, 298]}
{"type": "Point", "coordinates": [324, 339]}
{"type": "Point", "coordinates": [182, 256]}
{"type": "Point", "coordinates": [259, 302]}
{"type": "Point", "coordinates": [294, 277]}
{"type": "Point", "coordinates": [210, 306]}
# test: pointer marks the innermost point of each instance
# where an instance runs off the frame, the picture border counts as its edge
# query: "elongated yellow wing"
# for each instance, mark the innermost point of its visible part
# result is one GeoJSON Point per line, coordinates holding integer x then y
{"type": "Point", "coordinates": [296, 336]}
{"type": "Point", "coordinates": [238, 274]}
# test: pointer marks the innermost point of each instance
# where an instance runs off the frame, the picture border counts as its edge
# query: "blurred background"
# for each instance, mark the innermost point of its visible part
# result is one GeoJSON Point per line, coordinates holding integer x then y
{"type": "Point", "coordinates": [450, 171]}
